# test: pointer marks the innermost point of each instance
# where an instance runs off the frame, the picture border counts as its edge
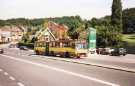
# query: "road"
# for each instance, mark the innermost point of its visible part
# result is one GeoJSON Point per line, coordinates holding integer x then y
{"type": "Point", "coordinates": [19, 68]}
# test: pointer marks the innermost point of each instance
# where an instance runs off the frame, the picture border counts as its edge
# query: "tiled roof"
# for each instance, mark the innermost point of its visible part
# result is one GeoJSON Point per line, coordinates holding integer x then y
{"type": "Point", "coordinates": [53, 26]}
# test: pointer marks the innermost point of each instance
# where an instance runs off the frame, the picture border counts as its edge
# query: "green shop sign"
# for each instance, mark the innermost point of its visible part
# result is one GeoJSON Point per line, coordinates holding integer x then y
{"type": "Point", "coordinates": [92, 38]}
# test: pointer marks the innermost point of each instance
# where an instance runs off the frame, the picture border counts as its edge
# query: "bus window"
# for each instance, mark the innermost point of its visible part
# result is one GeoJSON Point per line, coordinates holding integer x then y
{"type": "Point", "coordinates": [52, 44]}
{"type": "Point", "coordinates": [57, 44]}
{"type": "Point", "coordinates": [81, 46]}
{"type": "Point", "coordinates": [78, 46]}
{"type": "Point", "coordinates": [35, 45]}
{"type": "Point", "coordinates": [65, 44]}
{"type": "Point", "coordinates": [40, 44]}
{"type": "Point", "coordinates": [43, 44]}
{"type": "Point", "coordinates": [85, 46]}
{"type": "Point", "coordinates": [73, 45]}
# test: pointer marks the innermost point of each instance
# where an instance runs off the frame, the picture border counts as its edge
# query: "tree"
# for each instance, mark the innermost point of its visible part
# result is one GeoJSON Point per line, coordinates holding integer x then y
{"type": "Point", "coordinates": [116, 17]}
{"type": "Point", "coordinates": [34, 39]}
{"type": "Point", "coordinates": [129, 20]}
{"type": "Point", "coordinates": [108, 36]}
{"type": "Point", "coordinates": [95, 22]}
{"type": "Point", "coordinates": [25, 38]}
{"type": "Point", "coordinates": [73, 34]}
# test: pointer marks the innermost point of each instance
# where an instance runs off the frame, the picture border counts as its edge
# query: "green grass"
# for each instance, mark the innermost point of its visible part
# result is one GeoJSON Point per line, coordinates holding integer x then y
{"type": "Point", "coordinates": [130, 39]}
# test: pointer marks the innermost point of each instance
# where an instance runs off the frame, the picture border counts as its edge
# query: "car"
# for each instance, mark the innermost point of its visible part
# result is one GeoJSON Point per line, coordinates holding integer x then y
{"type": "Point", "coordinates": [23, 48]}
{"type": "Point", "coordinates": [118, 51]}
{"type": "Point", "coordinates": [122, 51]}
{"type": "Point", "coordinates": [10, 46]}
{"type": "Point", "coordinates": [1, 51]}
{"type": "Point", "coordinates": [103, 51]}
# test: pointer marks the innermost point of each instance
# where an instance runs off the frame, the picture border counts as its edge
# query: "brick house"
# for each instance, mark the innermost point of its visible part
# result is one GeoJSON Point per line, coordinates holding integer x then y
{"type": "Point", "coordinates": [59, 31]}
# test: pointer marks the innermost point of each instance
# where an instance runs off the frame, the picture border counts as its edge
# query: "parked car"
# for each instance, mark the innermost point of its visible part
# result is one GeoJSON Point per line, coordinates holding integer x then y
{"type": "Point", "coordinates": [122, 51]}
{"type": "Point", "coordinates": [23, 48]}
{"type": "Point", "coordinates": [10, 46]}
{"type": "Point", "coordinates": [103, 51]}
{"type": "Point", "coordinates": [118, 52]}
{"type": "Point", "coordinates": [1, 51]}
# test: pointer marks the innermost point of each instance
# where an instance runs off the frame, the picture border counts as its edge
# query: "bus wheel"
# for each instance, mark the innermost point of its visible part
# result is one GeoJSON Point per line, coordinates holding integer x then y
{"type": "Point", "coordinates": [37, 52]}
{"type": "Point", "coordinates": [66, 54]}
{"type": "Point", "coordinates": [51, 53]}
{"type": "Point", "coordinates": [77, 56]}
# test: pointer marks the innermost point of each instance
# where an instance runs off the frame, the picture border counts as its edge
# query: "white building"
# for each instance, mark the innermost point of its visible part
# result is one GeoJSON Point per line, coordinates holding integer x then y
{"type": "Point", "coordinates": [11, 34]}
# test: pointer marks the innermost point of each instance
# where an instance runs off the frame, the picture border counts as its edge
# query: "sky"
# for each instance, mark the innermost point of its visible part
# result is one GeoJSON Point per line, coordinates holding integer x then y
{"type": "Point", "coordinates": [87, 9]}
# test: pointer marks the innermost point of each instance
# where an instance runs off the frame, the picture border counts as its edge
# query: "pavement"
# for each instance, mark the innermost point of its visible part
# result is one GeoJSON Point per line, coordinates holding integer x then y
{"type": "Point", "coordinates": [123, 63]}
{"type": "Point", "coordinates": [31, 70]}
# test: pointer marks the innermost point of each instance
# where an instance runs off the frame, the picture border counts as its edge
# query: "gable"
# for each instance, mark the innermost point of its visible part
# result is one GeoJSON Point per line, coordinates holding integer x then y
{"type": "Point", "coordinates": [47, 34]}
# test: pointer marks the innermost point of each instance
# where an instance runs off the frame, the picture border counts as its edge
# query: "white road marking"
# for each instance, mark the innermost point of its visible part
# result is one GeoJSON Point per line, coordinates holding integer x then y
{"type": "Point", "coordinates": [1, 70]}
{"type": "Point", "coordinates": [5, 73]}
{"type": "Point", "coordinates": [20, 84]}
{"type": "Point", "coordinates": [62, 70]}
{"type": "Point", "coordinates": [12, 78]}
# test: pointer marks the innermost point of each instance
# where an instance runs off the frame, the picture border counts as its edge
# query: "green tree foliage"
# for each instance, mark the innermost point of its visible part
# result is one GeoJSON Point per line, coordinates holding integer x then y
{"type": "Point", "coordinates": [116, 17]}
{"type": "Point", "coordinates": [2, 22]}
{"type": "Point", "coordinates": [74, 35]}
{"type": "Point", "coordinates": [18, 21]}
{"type": "Point", "coordinates": [37, 22]}
{"type": "Point", "coordinates": [22, 22]}
{"type": "Point", "coordinates": [25, 38]}
{"type": "Point", "coordinates": [129, 20]}
{"type": "Point", "coordinates": [34, 39]}
{"type": "Point", "coordinates": [108, 36]}
{"type": "Point", "coordinates": [98, 22]}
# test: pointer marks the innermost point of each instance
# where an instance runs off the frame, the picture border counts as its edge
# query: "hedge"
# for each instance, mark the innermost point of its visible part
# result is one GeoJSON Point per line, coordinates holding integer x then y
{"type": "Point", "coordinates": [28, 45]}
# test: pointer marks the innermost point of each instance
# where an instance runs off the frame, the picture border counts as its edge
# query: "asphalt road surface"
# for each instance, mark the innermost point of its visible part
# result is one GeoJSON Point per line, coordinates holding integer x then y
{"type": "Point", "coordinates": [20, 69]}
